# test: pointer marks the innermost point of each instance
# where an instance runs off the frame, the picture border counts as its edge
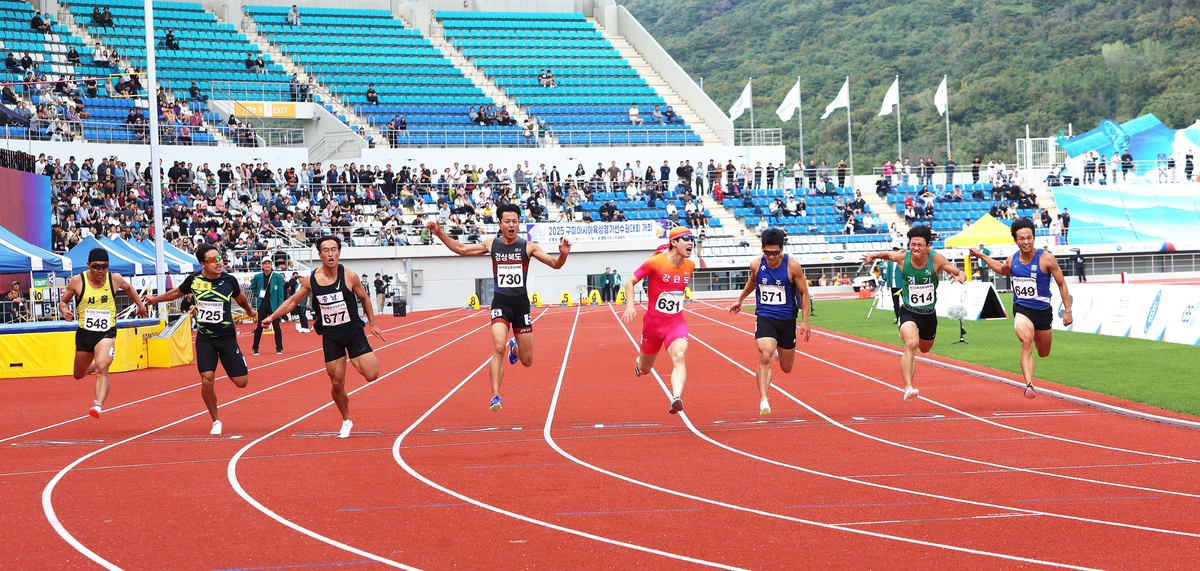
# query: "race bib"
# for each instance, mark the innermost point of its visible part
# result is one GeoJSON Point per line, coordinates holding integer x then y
{"type": "Point", "coordinates": [1025, 287]}
{"type": "Point", "coordinates": [98, 320]}
{"type": "Point", "coordinates": [335, 314]}
{"type": "Point", "coordinates": [920, 295]}
{"type": "Point", "coordinates": [669, 302]}
{"type": "Point", "coordinates": [210, 311]}
{"type": "Point", "coordinates": [771, 295]}
{"type": "Point", "coordinates": [509, 275]}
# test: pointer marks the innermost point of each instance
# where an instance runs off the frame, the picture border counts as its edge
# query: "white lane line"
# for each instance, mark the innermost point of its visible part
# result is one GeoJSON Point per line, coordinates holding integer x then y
{"type": "Point", "coordinates": [407, 468]}
{"type": "Point", "coordinates": [705, 437]}
{"type": "Point", "coordinates": [1069, 398]}
{"type": "Point", "coordinates": [231, 468]}
{"type": "Point", "coordinates": [194, 385]}
{"type": "Point", "coordinates": [48, 491]}
{"type": "Point", "coordinates": [908, 491]}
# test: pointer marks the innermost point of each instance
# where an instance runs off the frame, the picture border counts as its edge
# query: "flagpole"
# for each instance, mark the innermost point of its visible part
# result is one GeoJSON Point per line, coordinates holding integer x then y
{"type": "Point", "coordinates": [947, 117]}
{"type": "Point", "coordinates": [899, 144]}
{"type": "Point", "coordinates": [750, 82]}
{"type": "Point", "coordinates": [849, 134]}
{"type": "Point", "coordinates": [800, 112]}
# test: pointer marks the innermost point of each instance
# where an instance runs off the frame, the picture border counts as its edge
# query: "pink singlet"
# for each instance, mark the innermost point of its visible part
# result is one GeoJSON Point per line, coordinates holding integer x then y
{"type": "Point", "coordinates": [663, 321]}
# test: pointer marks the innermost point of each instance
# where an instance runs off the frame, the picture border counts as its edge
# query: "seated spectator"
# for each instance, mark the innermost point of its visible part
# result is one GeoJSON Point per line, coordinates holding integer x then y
{"type": "Point", "coordinates": [671, 116]}
{"type": "Point", "coordinates": [293, 16]}
{"type": "Point", "coordinates": [910, 214]}
{"type": "Point", "coordinates": [195, 94]}
{"type": "Point", "coordinates": [91, 87]}
{"type": "Point", "coordinates": [656, 115]}
{"type": "Point", "coordinates": [543, 77]}
{"type": "Point", "coordinates": [38, 24]}
{"type": "Point", "coordinates": [504, 119]}
{"type": "Point", "coordinates": [185, 135]}
{"type": "Point", "coordinates": [550, 81]}
{"type": "Point", "coordinates": [633, 115]}
{"type": "Point", "coordinates": [8, 95]}
{"type": "Point", "coordinates": [260, 65]}
{"type": "Point", "coordinates": [106, 19]}
{"type": "Point", "coordinates": [97, 18]}
{"type": "Point", "coordinates": [489, 117]}
{"type": "Point", "coordinates": [26, 62]}
{"type": "Point", "coordinates": [249, 62]}
{"type": "Point", "coordinates": [473, 115]}
{"type": "Point", "coordinates": [73, 57]}
{"type": "Point", "coordinates": [169, 40]}
{"type": "Point", "coordinates": [11, 64]}
{"type": "Point", "coordinates": [882, 186]}
{"type": "Point", "coordinates": [114, 59]}
{"type": "Point", "coordinates": [372, 97]}
{"type": "Point", "coordinates": [99, 56]}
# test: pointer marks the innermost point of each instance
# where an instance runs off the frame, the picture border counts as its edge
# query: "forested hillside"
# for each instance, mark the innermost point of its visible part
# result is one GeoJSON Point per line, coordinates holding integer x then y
{"type": "Point", "coordinates": [1010, 63]}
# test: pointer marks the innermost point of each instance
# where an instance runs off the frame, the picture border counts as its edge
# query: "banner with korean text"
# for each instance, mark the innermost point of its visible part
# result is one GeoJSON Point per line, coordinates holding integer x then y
{"type": "Point", "coordinates": [1142, 311]}
{"type": "Point", "coordinates": [550, 233]}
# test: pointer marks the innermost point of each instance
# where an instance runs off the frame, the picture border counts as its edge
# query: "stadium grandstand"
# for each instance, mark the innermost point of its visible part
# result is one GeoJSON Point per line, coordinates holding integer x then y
{"type": "Point", "coordinates": [282, 124]}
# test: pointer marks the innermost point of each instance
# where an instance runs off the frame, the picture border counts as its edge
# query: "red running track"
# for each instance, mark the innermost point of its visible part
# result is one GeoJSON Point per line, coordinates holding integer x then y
{"type": "Point", "coordinates": [584, 468]}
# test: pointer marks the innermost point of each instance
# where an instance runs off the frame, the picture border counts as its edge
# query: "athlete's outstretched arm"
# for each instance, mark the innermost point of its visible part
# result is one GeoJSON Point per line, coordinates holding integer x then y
{"type": "Point", "coordinates": [1002, 269]}
{"type": "Point", "coordinates": [630, 309]}
{"type": "Point", "coordinates": [170, 295]}
{"type": "Point", "coordinates": [289, 304]}
{"type": "Point", "coordinates": [242, 301]}
{"type": "Point", "coordinates": [556, 262]}
{"type": "Point", "coordinates": [897, 257]}
{"type": "Point", "coordinates": [941, 264]}
{"type": "Point", "coordinates": [123, 285]}
{"type": "Point", "coordinates": [749, 287]}
{"type": "Point", "coordinates": [456, 246]}
{"type": "Point", "coordinates": [1053, 269]}
{"type": "Point", "coordinates": [801, 284]}
{"type": "Point", "coordinates": [356, 286]}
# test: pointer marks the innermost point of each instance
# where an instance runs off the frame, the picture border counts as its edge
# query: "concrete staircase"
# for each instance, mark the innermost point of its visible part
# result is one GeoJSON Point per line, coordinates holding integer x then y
{"type": "Point", "coordinates": [660, 85]}
{"type": "Point", "coordinates": [886, 211]}
{"type": "Point", "coordinates": [246, 25]}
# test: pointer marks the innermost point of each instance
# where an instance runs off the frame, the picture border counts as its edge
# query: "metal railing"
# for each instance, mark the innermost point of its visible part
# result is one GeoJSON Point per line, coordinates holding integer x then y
{"type": "Point", "coordinates": [757, 137]}
{"type": "Point", "coordinates": [259, 91]}
{"type": "Point", "coordinates": [102, 131]}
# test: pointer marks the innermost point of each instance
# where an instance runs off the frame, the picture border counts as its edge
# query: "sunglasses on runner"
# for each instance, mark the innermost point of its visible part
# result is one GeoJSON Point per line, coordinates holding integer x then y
{"type": "Point", "coordinates": [212, 259]}
{"type": "Point", "coordinates": [772, 253]}
{"type": "Point", "coordinates": [98, 266]}
{"type": "Point", "coordinates": [687, 238]}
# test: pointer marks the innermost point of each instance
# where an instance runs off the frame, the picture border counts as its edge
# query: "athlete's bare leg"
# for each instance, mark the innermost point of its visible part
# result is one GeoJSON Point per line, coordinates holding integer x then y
{"type": "Point", "coordinates": [766, 362]}
{"type": "Point", "coordinates": [367, 365]}
{"type": "Point", "coordinates": [678, 351]}
{"type": "Point", "coordinates": [525, 348]}
{"type": "Point", "coordinates": [209, 394]}
{"type": "Point", "coordinates": [337, 377]}
{"type": "Point", "coordinates": [912, 343]}
{"type": "Point", "coordinates": [499, 355]}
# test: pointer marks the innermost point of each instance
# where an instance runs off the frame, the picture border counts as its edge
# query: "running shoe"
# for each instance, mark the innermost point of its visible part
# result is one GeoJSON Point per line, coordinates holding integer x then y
{"type": "Point", "coordinates": [764, 408]}
{"type": "Point", "coordinates": [95, 411]}
{"type": "Point", "coordinates": [254, 351]}
{"type": "Point", "coordinates": [1029, 392]}
{"type": "Point", "coordinates": [512, 351]}
{"type": "Point", "coordinates": [345, 431]}
{"type": "Point", "coordinates": [637, 372]}
{"type": "Point", "coordinates": [495, 406]}
{"type": "Point", "coordinates": [910, 393]}
{"type": "Point", "coordinates": [676, 406]}
{"type": "Point", "coordinates": [279, 351]}
{"type": "Point", "coordinates": [216, 429]}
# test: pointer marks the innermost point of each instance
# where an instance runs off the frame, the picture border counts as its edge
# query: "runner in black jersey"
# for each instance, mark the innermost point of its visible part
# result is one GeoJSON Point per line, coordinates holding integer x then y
{"type": "Point", "coordinates": [510, 305]}
{"type": "Point", "coordinates": [215, 292]}
{"type": "Point", "coordinates": [333, 289]}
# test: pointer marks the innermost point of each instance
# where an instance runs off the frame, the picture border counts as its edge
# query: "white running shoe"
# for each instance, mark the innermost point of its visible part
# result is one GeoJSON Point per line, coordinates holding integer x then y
{"type": "Point", "coordinates": [345, 431]}
{"type": "Point", "coordinates": [764, 408]}
{"type": "Point", "coordinates": [95, 411]}
{"type": "Point", "coordinates": [298, 330]}
{"type": "Point", "coordinates": [910, 393]}
{"type": "Point", "coordinates": [216, 429]}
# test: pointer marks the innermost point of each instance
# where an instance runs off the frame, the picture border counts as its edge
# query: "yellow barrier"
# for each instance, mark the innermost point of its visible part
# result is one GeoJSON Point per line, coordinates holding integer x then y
{"type": "Point", "coordinates": [52, 354]}
{"type": "Point", "coordinates": [173, 351]}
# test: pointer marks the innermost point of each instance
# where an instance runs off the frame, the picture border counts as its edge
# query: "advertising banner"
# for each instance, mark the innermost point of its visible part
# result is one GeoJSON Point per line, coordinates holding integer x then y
{"type": "Point", "coordinates": [549, 233]}
{"type": "Point", "coordinates": [1142, 311]}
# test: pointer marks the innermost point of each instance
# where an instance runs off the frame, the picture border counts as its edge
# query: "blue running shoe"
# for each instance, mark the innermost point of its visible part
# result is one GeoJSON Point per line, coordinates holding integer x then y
{"type": "Point", "coordinates": [495, 406]}
{"type": "Point", "coordinates": [512, 352]}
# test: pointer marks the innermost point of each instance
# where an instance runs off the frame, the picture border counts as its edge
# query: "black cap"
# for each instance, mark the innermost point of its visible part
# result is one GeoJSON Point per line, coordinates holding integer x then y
{"type": "Point", "coordinates": [98, 255]}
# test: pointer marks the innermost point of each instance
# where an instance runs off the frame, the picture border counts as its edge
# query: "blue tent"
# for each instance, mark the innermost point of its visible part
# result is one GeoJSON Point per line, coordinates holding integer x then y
{"type": "Point", "coordinates": [117, 261]}
{"type": "Point", "coordinates": [20, 257]}
{"type": "Point", "coordinates": [147, 261]}
{"type": "Point", "coordinates": [173, 266]}
{"type": "Point", "coordinates": [186, 263]}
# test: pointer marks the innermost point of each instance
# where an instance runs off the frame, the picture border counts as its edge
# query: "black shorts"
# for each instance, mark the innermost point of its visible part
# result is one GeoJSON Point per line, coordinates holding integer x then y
{"type": "Point", "coordinates": [783, 331]}
{"type": "Point", "coordinates": [513, 310]}
{"type": "Point", "coordinates": [926, 322]}
{"type": "Point", "coordinates": [1042, 319]}
{"type": "Point", "coordinates": [351, 342]}
{"type": "Point", "coordinates": [225, 349]}
{"type": "Point", "coordinates": [85, 341]}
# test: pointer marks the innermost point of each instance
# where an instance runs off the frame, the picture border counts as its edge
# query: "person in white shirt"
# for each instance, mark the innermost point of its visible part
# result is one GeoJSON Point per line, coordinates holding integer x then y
{"type": "Point", "coordinates": [633, 115]}
{"type": "Point", "coordinates": [293, 16]}
{"type": "Point", "coordinates": [797, 172]}
{"type": "Point", "coordinates": [762, 225]}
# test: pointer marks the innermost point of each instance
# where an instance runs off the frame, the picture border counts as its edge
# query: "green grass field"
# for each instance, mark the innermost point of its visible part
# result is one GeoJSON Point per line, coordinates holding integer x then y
{"type": "Point", "coordinates": [1158, 374]}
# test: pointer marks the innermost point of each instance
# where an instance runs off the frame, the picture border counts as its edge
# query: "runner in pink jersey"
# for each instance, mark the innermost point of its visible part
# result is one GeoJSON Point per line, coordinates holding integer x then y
{"type": "Point", "coordinates": [668, 273]}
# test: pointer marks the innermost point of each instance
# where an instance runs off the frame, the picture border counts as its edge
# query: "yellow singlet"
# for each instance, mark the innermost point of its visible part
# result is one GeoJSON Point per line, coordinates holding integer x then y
{"type": "Point", "coordinates": [96, 309]}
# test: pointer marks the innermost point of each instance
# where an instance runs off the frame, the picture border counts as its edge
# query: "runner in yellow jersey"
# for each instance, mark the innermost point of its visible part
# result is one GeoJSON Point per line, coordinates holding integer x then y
{"type": "Point", "coordinates": [96, 310]}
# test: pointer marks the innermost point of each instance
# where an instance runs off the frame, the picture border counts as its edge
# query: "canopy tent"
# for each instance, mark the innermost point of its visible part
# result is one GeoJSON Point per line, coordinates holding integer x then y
{"type": "Point", "coordinates": [117, 261]}
{"type": "Point", "coordinates": [147, 261]}
{"type": "Point", "coordinates": [987, 230]}
{"type": "Point", "coordinates": [20, 257]}
{"type": "Point", "coordinates": [173, 266]}
{"type": "Point", "coordinates": [187, 262]}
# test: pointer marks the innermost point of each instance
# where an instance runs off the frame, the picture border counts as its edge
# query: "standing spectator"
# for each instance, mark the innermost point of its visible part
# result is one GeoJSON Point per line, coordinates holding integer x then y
{"type": "Point", "coordinates": [606, 285]}
{"type": "Point", "coordinates": [633, 115]}
{"type": "Point", "coordinates": [1126, 166]}
{"type": "Point", "coordinates": [1080, 270]}
{"type": "Point", "coordinates": [842, 169]}
{"type": "Point", "coordinates": [294, 87]}
{"type": "Point", "coordinates": [950, 164]}
{"type": "Point", "coordinates": [975, 166]}
{"type": "Point", "coordinates": [380, 291]}
{"type": "Point", "coordinates": [1066, 225]}
{"type": "Point", "coordinates": [267, 285]}
{"type": "Point", "coordinates": [1188, 167]}
{"type": "Point", "coordinates": [301, 313]}
{"type": "Point", "coordinates": [293, 16]}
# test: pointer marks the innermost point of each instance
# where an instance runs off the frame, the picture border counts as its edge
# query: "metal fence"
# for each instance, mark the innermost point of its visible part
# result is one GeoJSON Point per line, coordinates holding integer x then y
{"type": "Point", "coordinates": [1038, 154]}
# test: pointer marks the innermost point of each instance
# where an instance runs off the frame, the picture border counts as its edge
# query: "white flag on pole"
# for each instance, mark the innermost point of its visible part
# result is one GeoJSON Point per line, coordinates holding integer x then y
{"type": "Point", "coordinates": [791, 102]}
{"type": "Point", "coordinates": [891, 99]}
{"type": "Point", "coordinates": [940, 99]}
{"type": "Point", "coordinates": [742, 104]}
{"type": "Point", "coordinates": [842, 100]}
